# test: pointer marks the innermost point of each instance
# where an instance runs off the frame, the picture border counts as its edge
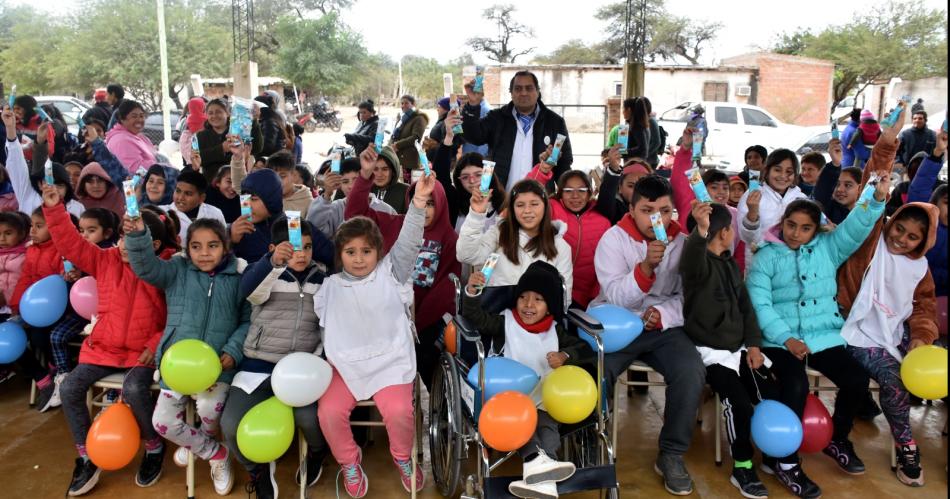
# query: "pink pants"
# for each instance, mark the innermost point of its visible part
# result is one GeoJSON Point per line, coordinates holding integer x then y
{"type": "Point", "coordinates": [395, 405]}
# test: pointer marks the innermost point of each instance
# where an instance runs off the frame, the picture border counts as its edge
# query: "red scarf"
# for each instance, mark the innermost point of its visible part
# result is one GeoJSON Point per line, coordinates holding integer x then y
{"type": "Point", "coordinates": [542, 326]}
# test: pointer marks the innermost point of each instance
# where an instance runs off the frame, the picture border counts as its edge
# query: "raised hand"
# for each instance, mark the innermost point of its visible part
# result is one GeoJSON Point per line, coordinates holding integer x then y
{"type": "Point", "coordinates": [368, 162]}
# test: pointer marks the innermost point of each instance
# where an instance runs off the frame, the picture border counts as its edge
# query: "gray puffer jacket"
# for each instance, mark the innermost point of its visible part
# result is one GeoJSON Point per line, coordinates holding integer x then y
{"type": "Point", "coordinates": [282, 318]}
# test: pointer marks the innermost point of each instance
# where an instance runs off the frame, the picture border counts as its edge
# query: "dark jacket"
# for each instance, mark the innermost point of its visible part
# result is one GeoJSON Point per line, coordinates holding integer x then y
{"type": "Point", "coordinates": [823, 191]}
{"type": "Point", "coordinates": [922, 190]}
{"type": "Point", "coordinates": [404, 140]}
{"type": "Point", "coordinates": [364, 135]}
{"type": "Point", "coordinates": [212, 154]}
{"type": "Point", "coordinates": [100, 112]}
{"type": "Point", "coordinates": [394, 194]}
{"type": "Point", "coordinates": [498, 129]}
{"type": "Point", "coordinates": [914, 141]}
{"type": "Point", "coordinates": [272, 132]}
{"type": "Point", "coordinates": [716, 303]}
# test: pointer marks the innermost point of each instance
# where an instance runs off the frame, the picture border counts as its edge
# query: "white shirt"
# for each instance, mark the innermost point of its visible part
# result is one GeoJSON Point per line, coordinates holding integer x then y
{"type": "Point", "coordinates": [522, 155]}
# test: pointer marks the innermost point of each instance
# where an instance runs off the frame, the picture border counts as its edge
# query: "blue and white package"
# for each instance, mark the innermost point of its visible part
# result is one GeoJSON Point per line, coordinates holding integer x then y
{"type": "Point", "coordinates": [81, 123]}
{"type": "Point", "coordinates": [868, 192]}
{"type": "Point", "coordinates": [824, 219]}
{"type": "Point", "coordinates": [454, 106]}
{"type": "Point", "coordinates": [659, 230]}
{"type": "Point", "coordinates": [68, 266]}
{"type": "Point", "coordinates": [12, 96]}
{"type": "Point", "coordinates": [423, 159]}
{"type": "Point", "coordinates": [697, 144]}
{"type": "Point", "coordinates": [380, 134]}
{"type": "Point", "coordinates": [478, 86]}
{"type": "Point", "coordinates": [754, 180]}
{"type": "Point", "coordinates": [335, 159]}
{"type": "Point", "coordinates": [194, 143]}
{"type": "Point", "coordinates": [294, 235]}
{"type": "Point", "coordinates": [623, 137]}
{"type": "Point", "coordinates": [43, 116]}
{"type": "Point", "coordinates": [488, 169]}
{"type": "Point", "coordinates": [896, 112]}
{"type": "Point", "coordinates": [489, 266]}
{"type": "Point", "coordinates": [556, 151]}
{"type": "Point", "coordinates": [699, 187]}
{"type": "Point", "coordinates": [246, 206]}
{"type": "Point", "coordinates": [834, 131]}
{"type": "Point", "coordinates": [131, 200]}
{"type": "Point", "coordinates": [242, 120]}
{"type": "Point", "coordinates": [48, 172]}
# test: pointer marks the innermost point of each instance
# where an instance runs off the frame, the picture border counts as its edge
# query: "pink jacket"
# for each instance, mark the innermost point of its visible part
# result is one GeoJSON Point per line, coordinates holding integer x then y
{"type": "Point", "coordinates": [134, 151]}
{"type": "Point", "coordinates": [8, 202]}
{"type": "Point", "coordinates": [11, 265]}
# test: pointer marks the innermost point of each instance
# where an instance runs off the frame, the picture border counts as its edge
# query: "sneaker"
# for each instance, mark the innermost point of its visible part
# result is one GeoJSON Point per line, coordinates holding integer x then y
{"type": "Point", "coordinates": [795, 481]}
{"type": "Point", "coordinates": [675, 477]}
{"type": "Point", "coordinates": [181, 457]}
{"type": "Point", "coordinates": [545, 469]}
{"type": "Point", "coordinates": [908, 469]}
{"type": "Point", "coordinates": [355, 481]}
{"type": "Point", "coordinates": [221, 474]}
{"type": "Point", "coordinates": [405, 473]}
{"type": "Point", "coordinates": [44, 398]}
{"type": "Point", "coordinates": [262, 481]}
{"type": "Point", "coordinates": [543, 490]}
{"type": "Point", "coordinates": [868, 409]}
{"type": "Point", "coordinates": [151, 468]}
{"type": "Point", "coordinates": [111, 396]}
{"type": "Point", "coordinates": [85, 477]}
{"type": "Point", "coordinates": [843, 453]}
{"type": "Point", "coordinates": [748, 483]}
{"type": "Point", "coordinates": [314, 470]}
{"type": "Point", "coordinates": [6, 374]}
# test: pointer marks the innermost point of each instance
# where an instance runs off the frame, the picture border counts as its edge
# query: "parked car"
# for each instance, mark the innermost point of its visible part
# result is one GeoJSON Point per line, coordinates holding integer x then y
{"type": "Point", "coordinates": [71, 108]}
{"type": "Point", "coordinates": [732, 128]}
{"type": "Point", "coordinates": [154, 130]}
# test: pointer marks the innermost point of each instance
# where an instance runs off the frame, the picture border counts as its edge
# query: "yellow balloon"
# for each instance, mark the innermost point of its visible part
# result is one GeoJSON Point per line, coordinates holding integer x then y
{"type": "Point", "coordinates": [569, 394]}
{"type": "Point", "coordinates": [924, 372]}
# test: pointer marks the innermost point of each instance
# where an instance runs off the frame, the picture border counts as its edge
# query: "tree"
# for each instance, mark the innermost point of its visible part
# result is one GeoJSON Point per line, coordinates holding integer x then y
{"type": "Point", "coordinates": [573, 52]}
{"type": "Point", "coordinates": [321, 55]}
{"type": "Point", "coordinates": [666, 36]}
{"type": "Point", "coordinates": [500, 47]}
{"type": "Point", "coordinates": [898, 39]}
{"type": "Point", "coordinates": [267, 17]}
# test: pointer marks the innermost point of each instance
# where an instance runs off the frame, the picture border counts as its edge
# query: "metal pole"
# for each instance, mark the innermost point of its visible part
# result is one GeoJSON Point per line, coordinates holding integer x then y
{"type": "Point", "coordinates": [163, 56]}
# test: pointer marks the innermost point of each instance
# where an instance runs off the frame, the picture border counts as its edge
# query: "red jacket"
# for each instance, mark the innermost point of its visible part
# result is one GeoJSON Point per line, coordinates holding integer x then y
{"type": "Point", "coordinates": [41, 260]}
{"type": "Point", "coordinates": [131, 314]}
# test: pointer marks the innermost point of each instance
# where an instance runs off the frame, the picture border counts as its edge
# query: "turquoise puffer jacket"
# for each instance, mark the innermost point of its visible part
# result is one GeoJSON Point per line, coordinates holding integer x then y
{"type": "Point", "coordinates": [202, 306]}
{"type": "Point", "coordinates": [794, 292]}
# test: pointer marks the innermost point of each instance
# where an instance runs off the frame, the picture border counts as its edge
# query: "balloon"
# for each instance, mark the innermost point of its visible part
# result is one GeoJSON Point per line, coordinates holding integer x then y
{"type": "Point", "coordinates": [299, 379]}
{"type": "Point", "coordinates": [503, 374]}
{"type": "Point", "coordinates": [776, 429]}
{"type": "Point", "coordinates": [449, 338]}
{"type": "Point", "coordinates": [817, 427]}
{"type": "Point", "coordinates": [508, 420]}
{"type": "Point", "coordinates": [621, 327]}
{"type": "Point", "coordinates": [84, 297]}
{"type": "Point", "coordinates": [942, 315]}
{"type": "Point", "coordinates": [569, 394]}
{"type": "Point", "coordinates": [12, 342]}
{"type": "Point", "coordinates": [190, 366]}
{"type": "Point", "coordinates": [924, 372]}
{"type": "Point", "coordinates": [266, 431]}
{"type": "Point", "coordinates": [44, 302]}
{"type": "Point", "coordinates": [113, 438]}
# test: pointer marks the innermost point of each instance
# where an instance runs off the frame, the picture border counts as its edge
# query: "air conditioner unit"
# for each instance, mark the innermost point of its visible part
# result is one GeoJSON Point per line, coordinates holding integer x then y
{"type": "Point", "coordinates": [743, 90]}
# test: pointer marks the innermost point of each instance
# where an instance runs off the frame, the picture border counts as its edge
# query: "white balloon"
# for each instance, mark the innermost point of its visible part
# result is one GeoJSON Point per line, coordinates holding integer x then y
{"type": "Point", "coordinates": [300, 379]}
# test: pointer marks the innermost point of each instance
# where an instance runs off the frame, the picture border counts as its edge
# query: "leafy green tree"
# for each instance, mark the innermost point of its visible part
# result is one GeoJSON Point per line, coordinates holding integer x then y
{"type": "Point", "coordinates": [573, 52]}
{"type": "Point", "coordinates": [321, 55]}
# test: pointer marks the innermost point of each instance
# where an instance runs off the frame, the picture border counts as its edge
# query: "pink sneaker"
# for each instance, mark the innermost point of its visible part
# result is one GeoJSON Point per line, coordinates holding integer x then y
{"type": "Point", "coordinates": [405, 473]}
{"type": "Point", "coordinates": [354, 481]}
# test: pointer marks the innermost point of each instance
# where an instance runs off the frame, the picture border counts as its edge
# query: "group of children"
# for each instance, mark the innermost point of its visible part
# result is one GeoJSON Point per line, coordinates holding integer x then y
{"type": "Point", "coordinates": [848, 296]}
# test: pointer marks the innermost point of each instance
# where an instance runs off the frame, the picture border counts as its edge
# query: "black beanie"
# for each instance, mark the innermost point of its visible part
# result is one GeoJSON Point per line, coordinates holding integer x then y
{"type": "Point", "coordinates": [544, 279]}
{"type": "Point", "coordinates": [719, 219]}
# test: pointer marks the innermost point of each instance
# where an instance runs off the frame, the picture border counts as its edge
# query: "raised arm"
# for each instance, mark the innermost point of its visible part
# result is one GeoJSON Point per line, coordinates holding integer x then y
{"type": "Point", "coordinates": [406, 250]}
{"type": "Point", "coordinates": [145, 263]}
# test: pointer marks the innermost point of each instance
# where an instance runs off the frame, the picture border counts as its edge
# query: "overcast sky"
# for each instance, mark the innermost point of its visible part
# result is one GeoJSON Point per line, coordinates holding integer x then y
{"type": "Point", "coordinates": [409, 26]}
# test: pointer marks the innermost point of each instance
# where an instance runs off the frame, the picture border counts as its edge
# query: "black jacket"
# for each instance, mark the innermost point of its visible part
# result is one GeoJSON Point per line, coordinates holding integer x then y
{"type": "Point", "coordinates": [364, 134]}
{"type": "Point", "coordinates": [498, 129]}
{"type": "Point", "coordinates": [914, 141]}
{"type": "Point", "coordinates": [824, 190]}
{"type": "Point", "coordinates": [272, 132]}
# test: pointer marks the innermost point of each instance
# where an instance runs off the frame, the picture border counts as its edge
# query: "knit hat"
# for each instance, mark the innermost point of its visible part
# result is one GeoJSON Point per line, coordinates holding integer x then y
{"type": "Point", "coordinates": [867, 115]}
{"type": "Point", "coordinates": [265, 184]}
{"type": "Point", "coordinates": [542, 278]}
{"type": "Point", "coordinates": [100, 95]}
{"type": "Point", "coordinates": [443, 103]}
{"type": "Point", "coordinates": [918, 107]}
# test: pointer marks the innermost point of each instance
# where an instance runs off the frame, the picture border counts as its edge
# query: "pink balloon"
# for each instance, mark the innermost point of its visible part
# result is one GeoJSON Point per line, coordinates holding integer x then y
{"type": "Point", "coordinates": [84, 297]}
{"type": "Point", "coordinates": [942, 315]}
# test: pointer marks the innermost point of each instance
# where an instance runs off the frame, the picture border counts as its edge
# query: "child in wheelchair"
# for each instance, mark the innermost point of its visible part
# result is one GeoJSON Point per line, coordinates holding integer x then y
{"type": "Point", "coordinates": [531, 332]}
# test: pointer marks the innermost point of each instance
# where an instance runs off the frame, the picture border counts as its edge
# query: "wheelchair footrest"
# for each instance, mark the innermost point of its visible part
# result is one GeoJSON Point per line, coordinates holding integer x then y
{"type": "Point", "coordinates": [590, 478]}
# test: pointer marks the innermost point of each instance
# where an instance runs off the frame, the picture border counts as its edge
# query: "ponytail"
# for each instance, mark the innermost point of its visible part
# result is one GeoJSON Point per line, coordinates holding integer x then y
{"type": "Point", "coordinates": [161, 228]}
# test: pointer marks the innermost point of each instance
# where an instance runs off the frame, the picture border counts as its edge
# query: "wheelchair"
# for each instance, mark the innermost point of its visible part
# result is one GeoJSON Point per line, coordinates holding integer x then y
{"type": "Point", "coordinates": [454, 407]}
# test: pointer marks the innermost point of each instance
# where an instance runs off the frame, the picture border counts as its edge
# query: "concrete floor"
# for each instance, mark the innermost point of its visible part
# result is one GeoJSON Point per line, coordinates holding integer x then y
{"type": "Point", "coordinates": [36, 459]}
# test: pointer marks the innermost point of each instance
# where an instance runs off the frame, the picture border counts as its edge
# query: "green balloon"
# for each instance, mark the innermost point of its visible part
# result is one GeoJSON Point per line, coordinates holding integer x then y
{"type": "Point", "coordinates": [190, 366]}
{"type": "Point", "coordinates": [266, 431]}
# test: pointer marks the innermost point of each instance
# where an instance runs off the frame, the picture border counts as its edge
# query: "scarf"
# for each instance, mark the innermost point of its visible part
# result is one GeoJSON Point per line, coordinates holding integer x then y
{"type": "Point", "coordinates": [542, 326]}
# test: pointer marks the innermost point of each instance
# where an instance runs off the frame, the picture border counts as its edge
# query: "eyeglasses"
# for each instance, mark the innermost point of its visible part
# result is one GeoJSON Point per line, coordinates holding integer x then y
{"type": "Point", "coordinates": [575, 190]}
{"type": "Point", "coordinates": [470, 178]}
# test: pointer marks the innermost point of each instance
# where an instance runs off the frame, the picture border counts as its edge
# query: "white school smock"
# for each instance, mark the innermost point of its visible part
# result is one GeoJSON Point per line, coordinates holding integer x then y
{"type": "Point", "coordinates": [530, 349]}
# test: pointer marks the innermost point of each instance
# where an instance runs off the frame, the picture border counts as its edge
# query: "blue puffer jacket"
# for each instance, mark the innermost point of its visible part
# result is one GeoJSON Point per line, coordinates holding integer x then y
{"type": "Point", "coordinates": [201, 305]}
{"type": "Point", "coordinates": [794, 291]}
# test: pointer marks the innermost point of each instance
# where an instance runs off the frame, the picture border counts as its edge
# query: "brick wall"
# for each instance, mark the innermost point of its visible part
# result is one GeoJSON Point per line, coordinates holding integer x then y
{"type": "Point", "coordinates": [796, 90]}
{"type": "Point", "coordinates": [614, 112]}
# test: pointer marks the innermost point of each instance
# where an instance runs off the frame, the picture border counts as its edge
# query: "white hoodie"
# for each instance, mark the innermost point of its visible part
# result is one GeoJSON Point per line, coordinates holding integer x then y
{"type": "Point", "coordinates": [771, 208]}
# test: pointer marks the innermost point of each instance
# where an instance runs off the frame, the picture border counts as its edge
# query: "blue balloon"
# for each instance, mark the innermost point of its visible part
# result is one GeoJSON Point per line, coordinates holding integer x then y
{"type": "Point", "coordinates": [44, 302]}
{"type": "Point", "coordinates": [12, 342]}
{"type": "Point", "coordinates": [621, 327]}
{"type": "Point", "coordinates": [503, 374]}
{"type": "Point", "coordinates": [776, 429]}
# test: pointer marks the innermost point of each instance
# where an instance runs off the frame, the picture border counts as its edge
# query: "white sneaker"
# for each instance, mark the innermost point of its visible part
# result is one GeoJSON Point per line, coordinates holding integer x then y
{"type": "Point", "coordinates": [544, 469]}
{"type": "Point", "coordinates": [221, 474]}
{"type": "Point", "coordinates": [56, 401]}
{"type": "Point", "coordinates": [543, 490]}
{"type": "Point", "coordinates": [181, 457]}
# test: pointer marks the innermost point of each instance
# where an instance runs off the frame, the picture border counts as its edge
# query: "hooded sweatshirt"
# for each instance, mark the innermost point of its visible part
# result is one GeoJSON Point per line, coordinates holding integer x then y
{"type": "Point", "coordinates": [299, 200]}
{"type": "Point", "coordinates": [394, 194]}
{"type": "Point", "coordinates": [113, 200]}
{"type": "Point", "coordinates": [878, 290]}
{"type": "Point", "coordinates": [434, 292]}
{"type": "Point", "coordinates": [171, 178]}
{"type": "Point", "coordinates": [132, 149]}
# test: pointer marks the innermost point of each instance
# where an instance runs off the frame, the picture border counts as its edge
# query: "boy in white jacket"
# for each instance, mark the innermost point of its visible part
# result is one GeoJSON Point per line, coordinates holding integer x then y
{"type": "Point", "coordinates": [639, 271]}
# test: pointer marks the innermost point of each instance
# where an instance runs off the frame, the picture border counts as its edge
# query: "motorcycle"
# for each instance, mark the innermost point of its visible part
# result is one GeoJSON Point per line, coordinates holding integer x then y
{"type": "Point", "coordinates": [320, 117]}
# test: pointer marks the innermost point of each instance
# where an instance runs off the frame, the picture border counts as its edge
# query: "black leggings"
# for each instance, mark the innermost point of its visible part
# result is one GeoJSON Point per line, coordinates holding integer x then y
{"type": "Point", "coordinates": [739, 393]}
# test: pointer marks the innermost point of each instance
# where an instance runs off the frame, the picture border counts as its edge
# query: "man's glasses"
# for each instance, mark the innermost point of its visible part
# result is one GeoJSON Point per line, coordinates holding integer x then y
{"type": "Point", "coordinates": [575, 190]}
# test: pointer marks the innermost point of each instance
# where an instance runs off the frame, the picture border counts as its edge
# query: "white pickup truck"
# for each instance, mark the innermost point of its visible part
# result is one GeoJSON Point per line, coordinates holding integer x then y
{"type": "Point", "coordinates": [732, 128]}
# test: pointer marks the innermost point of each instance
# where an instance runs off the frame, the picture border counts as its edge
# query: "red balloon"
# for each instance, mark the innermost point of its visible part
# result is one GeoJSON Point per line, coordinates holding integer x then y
{"type": "Point", "coordinates": [942, 315]}
{"type": "Point", "coordinates": [113, 438]}
{"type": "Point", "coordinates": [817, 427]}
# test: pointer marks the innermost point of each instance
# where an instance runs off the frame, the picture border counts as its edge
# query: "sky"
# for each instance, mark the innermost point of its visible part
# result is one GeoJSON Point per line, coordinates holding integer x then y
{"type": "Point", "coordinates": [407, 27]}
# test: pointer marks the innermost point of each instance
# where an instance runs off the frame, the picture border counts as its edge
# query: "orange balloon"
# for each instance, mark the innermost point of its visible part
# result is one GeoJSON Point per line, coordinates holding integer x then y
{"type": "Point", "coordinates": [508, 421]}
{"type": "Point", "coordinates": [113, 439]}
{"type": "Point", "coordinates": [449, 338]}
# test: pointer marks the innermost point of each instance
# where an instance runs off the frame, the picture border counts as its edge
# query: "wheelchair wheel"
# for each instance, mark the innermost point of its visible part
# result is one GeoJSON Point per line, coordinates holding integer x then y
{"type": "Point", "coordinates": [445, 414]}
